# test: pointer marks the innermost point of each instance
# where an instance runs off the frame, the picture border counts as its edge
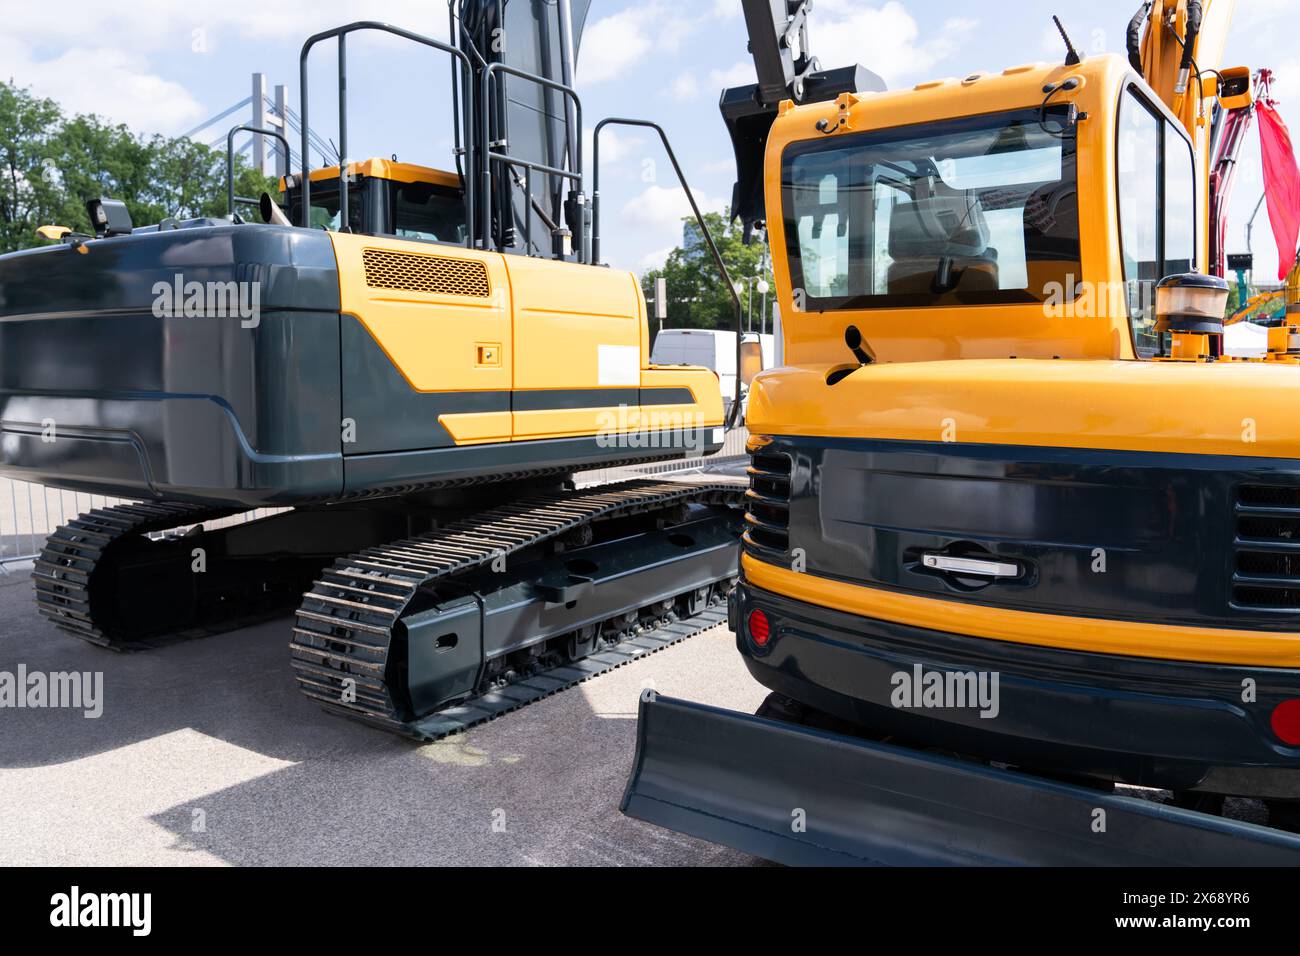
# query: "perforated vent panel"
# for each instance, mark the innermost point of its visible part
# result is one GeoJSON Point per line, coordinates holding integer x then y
{"type": "Point", "coordinates": [412, 272]}
{"type": "Point", "coordinates": [1267, 575]}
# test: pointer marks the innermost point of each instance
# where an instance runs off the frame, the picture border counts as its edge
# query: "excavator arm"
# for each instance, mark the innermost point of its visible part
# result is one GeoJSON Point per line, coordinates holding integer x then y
{"type": "Point", "coordinates": [1183, 41]}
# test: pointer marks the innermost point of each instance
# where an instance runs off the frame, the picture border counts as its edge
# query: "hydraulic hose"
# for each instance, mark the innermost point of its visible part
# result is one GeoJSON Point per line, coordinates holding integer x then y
{"type": "Point", "coordinates": [1194, 12]}
{"type": "Point", "coordinates": [1135, 35]}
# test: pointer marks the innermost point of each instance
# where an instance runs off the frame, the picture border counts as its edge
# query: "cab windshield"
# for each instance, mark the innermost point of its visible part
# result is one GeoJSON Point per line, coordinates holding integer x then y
{"type": "Point", "coordinates": [425, 211]}
{"type": "Point", "coordinates": [976, 211]}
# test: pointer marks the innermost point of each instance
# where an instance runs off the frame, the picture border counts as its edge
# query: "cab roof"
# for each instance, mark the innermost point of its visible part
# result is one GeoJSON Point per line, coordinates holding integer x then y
{"type": "Point", "coordinates": [378, 168]}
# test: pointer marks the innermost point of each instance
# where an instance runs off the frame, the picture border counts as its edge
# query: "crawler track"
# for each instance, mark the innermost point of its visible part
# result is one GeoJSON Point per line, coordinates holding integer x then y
{"type": "Point", "coordinates": [69, 576]}
{"type": "Point", "coordinates": [347, 623]}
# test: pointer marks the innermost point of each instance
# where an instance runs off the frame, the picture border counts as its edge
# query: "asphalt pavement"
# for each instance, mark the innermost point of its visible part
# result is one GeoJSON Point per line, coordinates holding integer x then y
{"type": "Point", "coordinates": [206, 754]}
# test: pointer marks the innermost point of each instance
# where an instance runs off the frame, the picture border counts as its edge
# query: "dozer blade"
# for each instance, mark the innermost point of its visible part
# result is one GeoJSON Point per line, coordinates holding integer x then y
{"type": "Point", "coordinates": [802, 796]}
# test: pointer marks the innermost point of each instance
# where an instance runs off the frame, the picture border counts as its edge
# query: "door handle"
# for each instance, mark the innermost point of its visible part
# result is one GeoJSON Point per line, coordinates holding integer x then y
{"type": "Point", "coordinates": [975, 566]}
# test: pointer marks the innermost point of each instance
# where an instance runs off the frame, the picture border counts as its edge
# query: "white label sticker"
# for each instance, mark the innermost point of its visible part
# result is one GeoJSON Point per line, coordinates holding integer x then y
{"type": "Point", "coordinates": [618, 364]}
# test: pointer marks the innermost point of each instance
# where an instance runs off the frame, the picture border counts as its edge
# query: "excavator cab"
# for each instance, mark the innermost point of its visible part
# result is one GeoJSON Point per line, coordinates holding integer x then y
{"type": "Point", "coordinates": [386, 198]}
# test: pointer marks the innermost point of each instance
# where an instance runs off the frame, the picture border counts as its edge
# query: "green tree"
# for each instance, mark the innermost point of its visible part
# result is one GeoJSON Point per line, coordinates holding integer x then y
{"type": "Point", "coordinates": [697, 296]}
{"type": "Point", "coordinates": [29, 193]}
{"type": "Point", "coordinates": [52, 164]}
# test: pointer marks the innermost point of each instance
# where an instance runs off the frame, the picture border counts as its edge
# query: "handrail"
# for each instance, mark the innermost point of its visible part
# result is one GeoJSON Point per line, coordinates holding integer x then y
{"type": "Point", "coordinates": [230, 161]}
{"type": "Point", "coordinates": [699, 218]}
{"type": "Point", "coordinates": [341, 33]}
{"type": "Point", "coordinates": [488, 156]}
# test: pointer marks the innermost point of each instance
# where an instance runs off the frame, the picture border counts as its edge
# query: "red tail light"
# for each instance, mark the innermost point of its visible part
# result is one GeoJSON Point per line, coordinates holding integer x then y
{"type": "Point", "coordinates": [759, 631]}
{"type": "Point", "coordinates": [1286, 719]}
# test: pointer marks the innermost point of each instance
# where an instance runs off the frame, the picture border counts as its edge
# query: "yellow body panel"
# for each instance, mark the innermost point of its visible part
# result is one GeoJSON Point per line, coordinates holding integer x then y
{"type": "Point", "coordinates": [476, 428]}
{"type": "Point", "coordinates": [1136, 406]}
{"type": "Point", "coordinates": [544, 327]}
{"type": "Point", "coordinates": [575, 326]}
{"type": "Point", "coordinates": [433, 338]}
{"type": "Point", "coordinates": [703, 385]}
{"type": "Point", "coordinates": [1096, 635]}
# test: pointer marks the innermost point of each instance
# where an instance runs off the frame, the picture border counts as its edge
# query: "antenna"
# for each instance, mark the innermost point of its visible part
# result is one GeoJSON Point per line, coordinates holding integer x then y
{"type": "Point", "coordinates": [1071, 54]}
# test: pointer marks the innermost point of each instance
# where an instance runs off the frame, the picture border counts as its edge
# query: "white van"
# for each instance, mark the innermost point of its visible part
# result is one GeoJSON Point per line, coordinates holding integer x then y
{"type": "Point", "coordinates": [711, 348]}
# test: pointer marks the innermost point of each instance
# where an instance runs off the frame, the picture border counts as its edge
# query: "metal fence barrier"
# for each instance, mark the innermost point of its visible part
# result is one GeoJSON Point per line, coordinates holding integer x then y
{"type": "Point", "coordinates": [30, 512]}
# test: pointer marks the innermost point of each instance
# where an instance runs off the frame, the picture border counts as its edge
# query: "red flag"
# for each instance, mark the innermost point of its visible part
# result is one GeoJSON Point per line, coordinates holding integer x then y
{"type": "Point", "coordinates": [1281, 184]}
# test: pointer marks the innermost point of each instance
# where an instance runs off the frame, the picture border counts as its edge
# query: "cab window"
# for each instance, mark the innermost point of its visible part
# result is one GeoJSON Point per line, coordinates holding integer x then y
{"type": "Point", "coordinates": [427, 211]}
{"type": "Point", "coordinates": [325, 206]}
{"type": "Point", "coordinates": [974, 211]}
{"type": "Point", "coordinates": [1157, 211]}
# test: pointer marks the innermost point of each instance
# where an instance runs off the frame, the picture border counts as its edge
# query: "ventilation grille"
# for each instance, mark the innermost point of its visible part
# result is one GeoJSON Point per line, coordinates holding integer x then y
{"type": "Point", "coordinates": [1267, 572]}
{"type": "Point", "coordinates": [411, 272]}
{"type": "Point", "coordinates": [767, 506]}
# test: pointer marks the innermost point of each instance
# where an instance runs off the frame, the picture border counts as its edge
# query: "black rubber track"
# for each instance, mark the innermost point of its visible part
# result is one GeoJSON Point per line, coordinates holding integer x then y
{"type": "Point", "coordinates": [345, 625]}
{"type": "Point", "coordinates": [65, 573]}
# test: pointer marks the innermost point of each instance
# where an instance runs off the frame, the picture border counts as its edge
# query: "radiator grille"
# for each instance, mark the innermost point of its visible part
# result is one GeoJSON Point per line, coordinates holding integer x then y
{"type": "Point", "coordinates": [1266, 575]}
{"type": "Point", "coordinates": [413, 272]}
{"type": "Point", "coordinates": [767, 506]}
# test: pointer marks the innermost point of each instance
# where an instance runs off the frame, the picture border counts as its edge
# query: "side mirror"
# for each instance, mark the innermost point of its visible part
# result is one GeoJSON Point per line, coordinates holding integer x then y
{"type": "Point", "coordinates": [1236, 88]}
{"type": "Point", "coordinates": [751, 361]}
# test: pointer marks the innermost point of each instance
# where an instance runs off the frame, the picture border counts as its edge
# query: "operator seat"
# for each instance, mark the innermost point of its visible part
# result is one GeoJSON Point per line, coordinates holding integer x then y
{"type": "Point", "coordinates": [950, 224]}
{"type": "Point", "coordinates": [1052, 234]}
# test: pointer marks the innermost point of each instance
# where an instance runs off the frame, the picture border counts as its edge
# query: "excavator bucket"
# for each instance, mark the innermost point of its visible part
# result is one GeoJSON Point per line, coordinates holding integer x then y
{"type": "Point", "coordinates": [802, 796]}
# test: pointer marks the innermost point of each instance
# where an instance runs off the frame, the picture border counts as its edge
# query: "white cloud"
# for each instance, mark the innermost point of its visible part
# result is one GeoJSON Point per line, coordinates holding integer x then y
{"type": "Point", "coordinates": [1286, 89]}
{"type": "Point", "coordinates": [620, 42]}
{"type": "Point", "coordinates": [164, 25]}
{"type": "Point", "coordinates": [105, 81]}
{"type": "Point", "coordinates": [110, 53]}
{"type": "Point", "coordinates": [738, 74]}
{"type": "Point", "coordinates": [663, 206]}
{"type": "Point", "coordinates": [884, 39]}
{"type": "Point", "coordinates": [615, 146]}
{"type": "Point", "coordinates": [685, 86]}
{"type": "Point", "coordinates": [613, 43]}
{"type": "Point", "coordinates": [655, 259]}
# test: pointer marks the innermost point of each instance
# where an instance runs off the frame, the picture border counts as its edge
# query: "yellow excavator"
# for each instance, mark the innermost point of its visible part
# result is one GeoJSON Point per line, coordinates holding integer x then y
{"type": "Point", "coordinates": [410, 365]}
{"type": "Point", "coordinates": [1018, 533]}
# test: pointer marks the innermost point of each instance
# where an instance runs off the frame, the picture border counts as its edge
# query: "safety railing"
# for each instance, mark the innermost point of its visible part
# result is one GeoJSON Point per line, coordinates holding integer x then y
{"type": "Point", "coordinates": [231, 198]}
{"type": "Point", "coordinates": [492, 133]}
{"type": "Point", "coordinates": [341, 33]}
{"type": "Point", "coordinates": [699, 220]}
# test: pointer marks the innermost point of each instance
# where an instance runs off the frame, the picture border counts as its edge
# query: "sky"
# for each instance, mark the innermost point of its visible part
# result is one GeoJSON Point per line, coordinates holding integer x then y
{"type": "Point", "coordinates": [166, 67]}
